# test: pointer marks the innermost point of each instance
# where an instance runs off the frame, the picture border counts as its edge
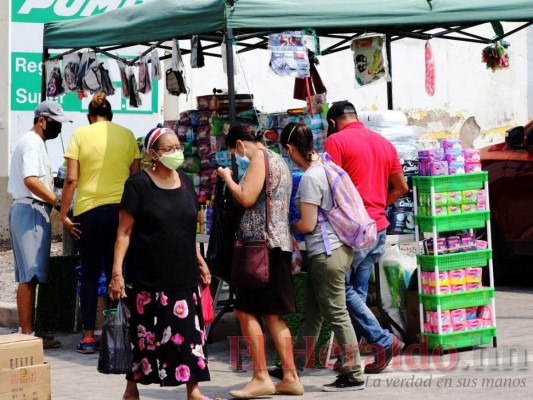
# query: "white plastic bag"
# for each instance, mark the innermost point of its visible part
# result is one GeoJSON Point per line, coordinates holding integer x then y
{"type": "Point", "coordinates": [370, 59]}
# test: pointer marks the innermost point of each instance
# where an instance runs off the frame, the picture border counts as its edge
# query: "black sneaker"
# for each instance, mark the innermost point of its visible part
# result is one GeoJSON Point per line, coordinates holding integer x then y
{"type": "Point", "coordinates": [383, 358]}
{"type": "Point", "coordinates": [343, 384]}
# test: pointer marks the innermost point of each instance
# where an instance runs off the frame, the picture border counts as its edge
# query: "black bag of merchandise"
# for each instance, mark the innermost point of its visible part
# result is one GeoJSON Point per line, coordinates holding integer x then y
{"type": "Point", "coordinates": [115, 349]}
{"type": "Point", "coordinates": [175, 82]}
{"type": "Point", "coordinates": [107, 85]}
{"type": "Point", "coordinates": [197, 53]}
{"type": "Point", "coordinates": [223, 227]}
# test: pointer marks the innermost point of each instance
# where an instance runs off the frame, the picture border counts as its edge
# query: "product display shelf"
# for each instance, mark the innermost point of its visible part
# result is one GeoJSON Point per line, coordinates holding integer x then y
{"type": "Point", "coordinates": [436, 224]}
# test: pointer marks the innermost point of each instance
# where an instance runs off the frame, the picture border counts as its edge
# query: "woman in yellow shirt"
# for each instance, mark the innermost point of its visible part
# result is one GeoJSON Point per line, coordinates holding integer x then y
{"type": "Point", "coordinates": [100, 157]}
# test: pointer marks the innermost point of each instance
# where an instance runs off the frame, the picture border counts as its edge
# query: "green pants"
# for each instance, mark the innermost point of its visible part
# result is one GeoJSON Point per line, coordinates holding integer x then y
{"type": "Point", "coordinates": [325, 299]}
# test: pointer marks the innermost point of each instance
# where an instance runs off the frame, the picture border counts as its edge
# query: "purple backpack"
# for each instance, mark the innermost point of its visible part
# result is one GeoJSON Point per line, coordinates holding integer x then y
{"type": "Point", "coordinates": [348, 217]}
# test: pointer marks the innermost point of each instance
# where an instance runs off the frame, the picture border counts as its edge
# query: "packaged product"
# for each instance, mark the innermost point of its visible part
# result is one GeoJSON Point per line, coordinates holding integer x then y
{"type": "Point", "coordinates": [474, 323]}
{"type": "Point", "coordinates": [457, 277]}
{"type": "Point", "coordinates": [471, 155]}
{"type": "Point", "coordinates": [484, 312]}
{"type": "Point", "coordinates": [189, 118]}
{"type": "Point", "coordinates": [454, 210]}
{"type": "Point", "coordinates": [186, 133]}
{"type": "Point", "coordinates": [466, 208]}
{"type": "Point", "coordinates": [442, 276]}
{"type": "Point", "coordinates": [472, 167]}
{"type": "Point", "coordinates": [441, 246]}
{"type": "Point", "coordinates": [471, 313]}
{"type": "Point", "coordinates": [191, 164]}
{"type": "Point", "coordinates": [460, 326]}
{"type": "Point", "coordinates": [481, 245]}
{"type": "Point", "coordinates": [456, 169]}
{"type": "Point", "coordinates": [203, 132]}
{"type": "Point", "coordinates": [431, 155]}
{"type": "Point", "coordinates": [451, 144]}
{"type": "Point", "coordinates": [190, 149]}
{"type": "Point", "coordinates": [473, 285]}
{"type": "Point", "coordinates": [454, 198]}
{"type": "Point", "coordinates": [453, 244]}
{"type": "Point", "coordinates": [458, 288]}
{"type": "Point", "coordinates": [204, 147]}
{"type": "Point", "coordinates": [458, 315]}
{"type": "Point", "coordinates": [437, 168]}
{"type": "Point", "coordinates": [468, 242]}
{"type": "Point", "coordinates": [469, 196]}
{"type": "Point", "coordinates": [454, 158]}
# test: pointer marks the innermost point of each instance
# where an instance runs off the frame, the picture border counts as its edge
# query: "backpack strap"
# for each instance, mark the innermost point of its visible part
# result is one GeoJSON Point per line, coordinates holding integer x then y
{"type": "Point", "coordinates": [324, 231]}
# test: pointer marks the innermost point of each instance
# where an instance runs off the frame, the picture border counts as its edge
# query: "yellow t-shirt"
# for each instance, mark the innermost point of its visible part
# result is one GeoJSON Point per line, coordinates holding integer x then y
{"type": "Point", "coordinates": [105, 152]}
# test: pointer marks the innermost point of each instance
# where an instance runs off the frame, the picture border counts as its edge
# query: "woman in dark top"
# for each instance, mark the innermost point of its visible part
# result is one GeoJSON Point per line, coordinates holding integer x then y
{"type": "Point", "coordinates": [157, 237]}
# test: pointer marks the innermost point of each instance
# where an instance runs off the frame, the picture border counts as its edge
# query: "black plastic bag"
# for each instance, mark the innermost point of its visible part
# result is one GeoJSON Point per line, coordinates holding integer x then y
{"type": "Point", "coordinates": [197, 52]}
{"type": "Point", "coordinates": [223, 225]}
{"type": "Point", "coordinates": [115, 349]}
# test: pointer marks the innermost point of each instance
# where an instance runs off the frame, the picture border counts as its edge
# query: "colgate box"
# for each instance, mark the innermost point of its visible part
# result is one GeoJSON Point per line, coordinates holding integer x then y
{"type": "Point", "coordinates": [18, 350]}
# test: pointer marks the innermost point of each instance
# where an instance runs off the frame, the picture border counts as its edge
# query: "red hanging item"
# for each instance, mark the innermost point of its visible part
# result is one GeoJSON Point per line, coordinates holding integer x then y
{"type": "Point", "coordinates": [207, 305]}
{"type": "Point", "coordinates": [430, 70]}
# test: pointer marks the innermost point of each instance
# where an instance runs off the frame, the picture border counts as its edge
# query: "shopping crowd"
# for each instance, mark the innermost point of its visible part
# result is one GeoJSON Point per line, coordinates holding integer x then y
{"type": "Point", "coordinates": [139, 225]}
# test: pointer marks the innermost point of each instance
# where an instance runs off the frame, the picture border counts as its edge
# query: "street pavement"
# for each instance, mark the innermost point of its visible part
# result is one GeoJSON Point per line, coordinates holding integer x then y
{"type": "Point", "coordinates": [480, 373]}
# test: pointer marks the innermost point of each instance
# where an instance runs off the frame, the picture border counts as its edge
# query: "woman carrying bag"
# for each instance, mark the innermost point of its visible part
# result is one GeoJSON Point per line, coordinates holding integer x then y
{"type": "Point", "coordinates": [275, 297]}
{"type": "Point", "coordinates": [157, 237]}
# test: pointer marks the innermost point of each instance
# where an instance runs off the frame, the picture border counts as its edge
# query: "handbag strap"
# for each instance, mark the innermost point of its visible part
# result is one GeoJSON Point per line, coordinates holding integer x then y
{"type": "Point", "coordinates": [267, 187]}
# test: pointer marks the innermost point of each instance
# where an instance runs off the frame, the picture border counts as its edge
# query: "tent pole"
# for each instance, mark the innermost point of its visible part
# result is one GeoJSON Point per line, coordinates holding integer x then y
{"type": "Point", "coordinates": [43, 74]}
{"type": "Point", "coordinates": [390, 103]}
{"type": "Point", "coordinates": [231, 76]}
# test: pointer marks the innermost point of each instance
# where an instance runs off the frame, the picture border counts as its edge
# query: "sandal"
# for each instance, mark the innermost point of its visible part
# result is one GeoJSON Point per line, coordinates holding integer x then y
{"type": "Point", "coordinates": [49, 342]}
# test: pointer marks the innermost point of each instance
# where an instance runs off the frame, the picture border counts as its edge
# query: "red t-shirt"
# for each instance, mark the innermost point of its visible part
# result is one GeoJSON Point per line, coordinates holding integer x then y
{"type": "Point", "coordinates": [369, 159]}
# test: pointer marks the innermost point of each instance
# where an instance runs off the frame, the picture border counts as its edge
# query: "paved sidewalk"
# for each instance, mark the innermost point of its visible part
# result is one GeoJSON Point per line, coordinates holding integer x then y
{"type": "Point", "coordinates": [458, 376]}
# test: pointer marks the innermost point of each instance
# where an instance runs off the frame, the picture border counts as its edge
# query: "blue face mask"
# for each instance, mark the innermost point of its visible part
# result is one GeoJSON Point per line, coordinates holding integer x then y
{"type": "Point", "coordinates": [242, 162]}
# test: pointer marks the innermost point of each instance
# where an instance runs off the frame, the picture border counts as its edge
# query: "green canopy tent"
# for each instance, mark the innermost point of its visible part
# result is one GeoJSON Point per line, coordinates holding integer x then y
{"type": "Point", "coordinates": [247, 23]}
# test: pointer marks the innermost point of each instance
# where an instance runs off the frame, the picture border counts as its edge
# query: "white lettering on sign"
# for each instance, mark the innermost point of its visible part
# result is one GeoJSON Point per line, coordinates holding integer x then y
{"type": "Point", "coordinates": [69, 8]}
{"type": "Point", "coordinates": [23, 65]}
{"type": "Point", "coordinates": [23, 96]}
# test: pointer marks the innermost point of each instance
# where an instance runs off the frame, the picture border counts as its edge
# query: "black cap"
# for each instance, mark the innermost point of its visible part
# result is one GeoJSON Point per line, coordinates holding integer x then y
{"type": "Point", "coordinates": [339, 108]}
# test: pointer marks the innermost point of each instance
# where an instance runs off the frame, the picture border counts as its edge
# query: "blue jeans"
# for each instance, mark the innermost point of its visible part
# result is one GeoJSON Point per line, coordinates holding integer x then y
{"type": "Point", "coordinates": [364, 322]}
{"type": "Point", "coordinates": [96, 245]}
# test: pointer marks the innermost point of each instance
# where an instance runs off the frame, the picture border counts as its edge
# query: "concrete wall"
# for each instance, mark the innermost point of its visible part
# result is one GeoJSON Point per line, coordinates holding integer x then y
{"type": "Point", "coordinates": [5, 200]}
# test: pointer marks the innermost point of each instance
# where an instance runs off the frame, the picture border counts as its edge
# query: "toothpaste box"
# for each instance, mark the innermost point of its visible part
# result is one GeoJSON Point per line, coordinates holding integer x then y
{"type": "Point", "coordinates": [451, 144]}
{"type": "Point", "coordinates": [437, 168]}
{"type": "Point", "coordinates": [468, 243]}
{"type": "Point", "coordinates": [454, 210]}
{"type": "Point", "coordinates": [469, 196]}
{"type": "Point", "coordinates": [431, 155]}
{"type": "Point", "coordinates": [466, 208]}
{"type": "Point", "coordinates": [456, 169]}
{"type": "Point", "coordinates": [473, 274]}
{"type": "Point", "coordinates": [471, 155]}
{"type": "Point", "coordinates": [457, 277]}
{"type": "Point", "coordinates": [454, 198]}
{"type": "Point", "coordinates": [472, 167]}
{"type": "Point", "coordinates": [453, 244]}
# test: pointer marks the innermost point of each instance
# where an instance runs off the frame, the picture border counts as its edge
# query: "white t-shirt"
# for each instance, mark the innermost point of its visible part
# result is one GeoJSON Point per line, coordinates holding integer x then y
{"type": "Point", "coordinates": [29, 158]}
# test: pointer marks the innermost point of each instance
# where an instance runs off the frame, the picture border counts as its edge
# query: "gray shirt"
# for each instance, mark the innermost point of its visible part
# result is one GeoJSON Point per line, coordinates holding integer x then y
{"type": "Point", "coordinates": [314, 189]}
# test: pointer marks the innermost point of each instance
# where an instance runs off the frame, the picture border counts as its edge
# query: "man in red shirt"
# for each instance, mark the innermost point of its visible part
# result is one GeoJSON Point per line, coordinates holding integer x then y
{"type": "Point", "coordinates": [373, 165]}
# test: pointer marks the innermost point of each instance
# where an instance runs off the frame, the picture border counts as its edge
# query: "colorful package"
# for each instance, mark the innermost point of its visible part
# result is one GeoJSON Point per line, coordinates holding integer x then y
{"type": "Point", "coordinates": [439, 211]}
{"type": "Point", "coordinates": [442, 276]}
{"type": "Point", "coordinates": [454, 198]}
{"type": "Point", "coordinates": [473, 286]}
{"type": "Point", "coordinates": [484, 312]}
{"type": "Point", "coordinates": [432, 317]}
{"type": "Point", "coordinates": [481, 206]}
{"type": "Point", "coordinates": [474, 323]}
{"type": "Point", "coordinates": [466, 208]}
{"type": "Point", "coordinates": [205, 148]}
{"type": "Point", "coordinates": [457, 277]}
{"type": "Point", "coordinates": [458, 288]}
{"type": "Point", "coordinates": [456, 169]}
{"type": "Point", "coordinates": [471, 313]}
{"type": "Point", "coordinates": [431, 155]}
{"type": "Point", "coordinates": [223, 158]}
{"type": "Point", "coordinates": [460, 326]}
{"type": "Point", "coordinates": [203, 132]}
{"type": "Point", "coordinates": [424, 211]}
{"type": "Point", "coordinates": [451, 144]}
{"type": "Point", "coordinates": [440, 199]}
{"type": "Point", "coordinates": [473, 274]}
{"type": "Point", "coordinates": [189, 149]}
{"type": "Point", "coordinates": [186, 133]}
{"type": "Point", "coordinates": [487, 323]}
{"type": "Point", "coordinates": [443, 289]}
{"type": "Point", "coordinates": [441, 246]}
{"type": "Point", "coordinates": [468, 243]}
{"type": "Point", "coordinates": [428, 328]}
{"type": "Point", "coordinates": [422, 168]}
{"type": "Point", "coordinates": [454, 158]}
{"type": "Point", "coordinates": [191, 164]}
{"type": "Point", "coordinates": [446, 328]}
{"type": "Point", "coordinates": [471, 155]}
{"type": "Point", "coordinates": [453, 244]}
{"type": "Point", "coordinates": [481, 245]}
{"type": "Point", "coordinates": [469, 196]}
{"type": "Point", "coordinates": [437, 168]}
{"type": "Point", "coordinates": [204, 117]}
{"type": "Point", "coordinates": [472, 167]}
{"type": "Point", "coordinates": [454, 209]}
{"type": "Point", "coordinates": [458, 315]}
{"type": "Point", "coordinates": [481, 196]}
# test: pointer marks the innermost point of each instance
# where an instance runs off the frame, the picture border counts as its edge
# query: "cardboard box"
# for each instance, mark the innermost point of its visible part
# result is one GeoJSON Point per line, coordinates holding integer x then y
{"type": "Point", "coordinates": [31, 382]}
{"type": "Point", "coordinates": [18, 350]}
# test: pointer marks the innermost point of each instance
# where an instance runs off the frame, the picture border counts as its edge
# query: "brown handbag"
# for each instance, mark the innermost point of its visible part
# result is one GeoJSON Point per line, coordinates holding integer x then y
{"type": "Point", "coordinates": [250, 265]}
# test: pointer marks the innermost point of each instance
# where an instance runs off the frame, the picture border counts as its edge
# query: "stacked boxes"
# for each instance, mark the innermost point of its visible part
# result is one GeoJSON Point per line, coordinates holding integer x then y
{"type": "Point", "coordinates": [401, 213]}
{"type": "Point", "coordinates": [454, 281]}
{"type": "Point", "coordinates": [23, 373]}
{"type": "Point", "coordinates": [459, 320]}
{"type": "Point", "coordinates": [449, 159]}
{"type": "Point", "coordinates": [448, 203]}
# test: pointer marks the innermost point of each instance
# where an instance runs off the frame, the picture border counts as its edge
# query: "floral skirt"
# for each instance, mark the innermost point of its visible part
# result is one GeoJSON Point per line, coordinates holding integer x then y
{"type": "Point", "coordinates": [167, 335]}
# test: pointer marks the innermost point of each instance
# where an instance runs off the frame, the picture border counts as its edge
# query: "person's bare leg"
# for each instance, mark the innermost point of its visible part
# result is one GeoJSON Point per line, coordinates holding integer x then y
{"type": "Point", "coordinates": [26, 305]}
{"type": "Point", "coordinates": [131, 392]}
{"type": "Point", "coordinates": [193, 392]}
{"type": "Point", "coordinates": [251, 329]}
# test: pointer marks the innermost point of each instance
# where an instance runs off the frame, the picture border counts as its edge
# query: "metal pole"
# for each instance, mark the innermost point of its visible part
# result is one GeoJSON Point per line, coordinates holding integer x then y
{"type": "Point", "coordinates": [43, 74]}
{"type": "Point", "coordinates": [231, 78]}
{"type": "Point", "coordinates": [390, 103]}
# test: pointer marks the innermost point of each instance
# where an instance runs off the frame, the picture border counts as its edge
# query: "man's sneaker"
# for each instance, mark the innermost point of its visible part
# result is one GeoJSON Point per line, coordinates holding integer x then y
{"type": "Point", "coordinates": [86, 346]}
{"type": "Point", "coordinates": [384, 357]}
{"type": "Point", "coordinates": [343, 384]}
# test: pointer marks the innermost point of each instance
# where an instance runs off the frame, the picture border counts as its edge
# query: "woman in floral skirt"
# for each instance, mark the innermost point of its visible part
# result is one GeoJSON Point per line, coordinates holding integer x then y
{"type": "Point", "coordinates": [157, 238]}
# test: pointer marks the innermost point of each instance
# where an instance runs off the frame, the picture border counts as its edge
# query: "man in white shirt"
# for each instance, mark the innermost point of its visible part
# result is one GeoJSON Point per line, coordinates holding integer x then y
{"type": "Point", "coordinates": [31, 186]}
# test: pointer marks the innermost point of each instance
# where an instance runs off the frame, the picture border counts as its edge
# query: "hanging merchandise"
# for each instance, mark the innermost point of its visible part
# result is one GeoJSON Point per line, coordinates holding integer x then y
{"type": "Point", "coordinates": [135, 99]}
{"type": "Point", "coordinates": [54, 80]}
{"type": "Point", "coordinates": [156, 65]}
{"type": "Point", "coordinates": [71, 66]}
{"type": "Point", "coordinates": [145, 83]}
{"type": "Point", "coordinates": [316, 86]}
{"type": "Point", "coordinates": [197, 52]}
{"type": "Point", "coordinates": [430, 70]}
{"type": "Point", "coordinates": [123, 78]}
{"type": "Point", "coordinates": [105, 80]}
{"type": "Point", "coordinates": [496, 56]}
{"type": "Point", "coordinates": [370, 60]}
{"type": "Point", "coordinates": [87, 59]}
{"type": "Point", "coordinates": [175, 75]}
{"type": "Point", "coordinates": [225, 59]}
{"type": "Point", "coordinates": [289, 54]}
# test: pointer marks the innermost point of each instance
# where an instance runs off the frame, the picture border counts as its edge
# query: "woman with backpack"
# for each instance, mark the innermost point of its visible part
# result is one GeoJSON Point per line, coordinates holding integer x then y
{"type": "Point", "coordinates": [324, 298]}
